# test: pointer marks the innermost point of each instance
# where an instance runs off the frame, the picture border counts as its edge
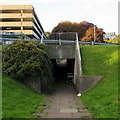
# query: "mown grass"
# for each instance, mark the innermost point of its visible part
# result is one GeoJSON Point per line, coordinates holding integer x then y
{"type": "Point", "coordinates": [101, 60]}
{"type": "Point", "coordinates": [19, 101]}
{"type": "Point", "coordinates": [0, 47]}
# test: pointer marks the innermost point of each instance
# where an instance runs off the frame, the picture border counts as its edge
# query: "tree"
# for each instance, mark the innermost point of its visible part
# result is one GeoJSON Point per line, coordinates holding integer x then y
{"type": "Point", "coordinates": [90, 35]}
{"type": "Point", "coordinates": [67, 26]}
{"type": "Point", "coordinates": [47, 34]}
{"type": "Point", "coordinates": [115, 40]}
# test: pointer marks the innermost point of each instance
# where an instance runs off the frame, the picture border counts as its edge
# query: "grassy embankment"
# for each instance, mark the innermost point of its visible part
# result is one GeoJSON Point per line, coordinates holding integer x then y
{"type": "Point", "coordinates": [0, 47]}
{"type": "Point", "coordinates": [18, 100]}
{"type": "Point", "coordinates": [102, 99]}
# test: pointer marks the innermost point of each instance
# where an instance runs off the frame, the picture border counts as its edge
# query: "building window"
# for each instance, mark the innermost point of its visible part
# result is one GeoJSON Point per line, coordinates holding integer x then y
{"type": "Point", "coordinates": [27, 11]}
{"type": "Point", "coordinates": [10, 11]}
{"type": "Point", "coordinates": [10, 28]}
{"type": "Point", "coordinates": [27, 28]}
{"type": "Point", "coordinates": [27, 19]}
{"type": "Point", "coordinates": [10, 20]}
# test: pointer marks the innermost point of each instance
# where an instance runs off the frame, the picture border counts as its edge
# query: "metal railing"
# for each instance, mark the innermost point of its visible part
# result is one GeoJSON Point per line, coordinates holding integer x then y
{"type": "Point", "coordinates": [57, 38]}
{"type": "Point", "coordinates": [60, 42]}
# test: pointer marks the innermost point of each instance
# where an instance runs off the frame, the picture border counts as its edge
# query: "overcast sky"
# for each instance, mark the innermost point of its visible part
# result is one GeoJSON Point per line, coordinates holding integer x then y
{"type": "Point", "coordinates": [103, 13]}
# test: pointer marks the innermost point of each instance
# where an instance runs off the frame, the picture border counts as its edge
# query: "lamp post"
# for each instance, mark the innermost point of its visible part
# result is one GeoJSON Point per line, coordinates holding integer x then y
{"type": "Point", "coordinates": [94, 33]}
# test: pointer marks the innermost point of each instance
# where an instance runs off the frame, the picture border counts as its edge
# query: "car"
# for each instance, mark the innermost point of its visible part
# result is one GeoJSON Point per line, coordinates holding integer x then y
{"type": "Point", "coordinates": [8, 42]}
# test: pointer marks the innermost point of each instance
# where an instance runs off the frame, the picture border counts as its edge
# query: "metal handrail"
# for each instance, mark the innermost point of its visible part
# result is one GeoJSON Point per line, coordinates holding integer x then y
{"type": "Point", "coordinates": [57, 41]}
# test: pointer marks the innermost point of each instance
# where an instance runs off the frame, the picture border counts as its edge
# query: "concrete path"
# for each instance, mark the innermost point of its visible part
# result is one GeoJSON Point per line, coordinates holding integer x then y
{"type": "Point", "coordinates": [63, 103]}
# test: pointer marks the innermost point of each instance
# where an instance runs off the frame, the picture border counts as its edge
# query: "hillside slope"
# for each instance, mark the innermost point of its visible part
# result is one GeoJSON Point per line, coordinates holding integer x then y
{"type": "Point", "coordinates": [102, 99]}
{"type": "Point", "coordinates": [18, 100]}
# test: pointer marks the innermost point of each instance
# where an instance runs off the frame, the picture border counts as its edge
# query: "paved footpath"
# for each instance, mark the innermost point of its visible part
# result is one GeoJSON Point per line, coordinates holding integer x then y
{"type": "Point", "coordinates": [63, 103]}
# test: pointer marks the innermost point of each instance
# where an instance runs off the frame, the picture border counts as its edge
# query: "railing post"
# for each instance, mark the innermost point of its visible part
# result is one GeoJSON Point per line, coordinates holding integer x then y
{"type": "Point", "coordinates": [60, 42]}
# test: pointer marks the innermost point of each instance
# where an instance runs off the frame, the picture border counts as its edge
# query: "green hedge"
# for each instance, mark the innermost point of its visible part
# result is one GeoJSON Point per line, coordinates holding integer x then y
{"type": "Point", "coordinates": [26, 59]}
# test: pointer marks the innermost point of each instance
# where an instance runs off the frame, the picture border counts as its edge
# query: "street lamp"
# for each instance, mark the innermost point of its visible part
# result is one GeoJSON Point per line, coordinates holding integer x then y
{"type": "Point", "coordinates": [94, 33]}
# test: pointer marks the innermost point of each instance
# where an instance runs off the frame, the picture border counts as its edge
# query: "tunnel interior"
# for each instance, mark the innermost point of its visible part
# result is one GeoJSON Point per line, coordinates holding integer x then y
{"type": "Point", "coordinates": [60, 69]}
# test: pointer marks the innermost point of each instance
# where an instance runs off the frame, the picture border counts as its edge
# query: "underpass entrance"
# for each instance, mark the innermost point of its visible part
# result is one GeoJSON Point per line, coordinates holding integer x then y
{"type": "Point", "coordinates": [63, 70]}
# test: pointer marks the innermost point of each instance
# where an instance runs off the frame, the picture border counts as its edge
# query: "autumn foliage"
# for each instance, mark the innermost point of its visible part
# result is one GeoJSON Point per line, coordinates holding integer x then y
{"type": "Point", "coordinates": [84, 29]}
{"type": "Point", "coordinates": [91, 36]}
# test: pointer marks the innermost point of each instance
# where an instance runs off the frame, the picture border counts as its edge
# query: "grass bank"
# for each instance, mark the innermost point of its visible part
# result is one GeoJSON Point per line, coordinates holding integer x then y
{"type": "Point", "coordinates": [0, 47]}
{"type": "Point", "coordinates": [102, 99]}
{"type": "Point", "coordinates": [19, 101]}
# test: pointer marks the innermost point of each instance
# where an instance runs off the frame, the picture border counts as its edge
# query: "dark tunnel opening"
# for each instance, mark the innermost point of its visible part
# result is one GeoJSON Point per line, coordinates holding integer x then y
{"type": "Point", "coordinates": [61, 69]}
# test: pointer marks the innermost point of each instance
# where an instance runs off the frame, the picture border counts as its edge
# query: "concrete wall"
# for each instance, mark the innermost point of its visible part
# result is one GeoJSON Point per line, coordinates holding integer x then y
{"type": "Point", "coordinates": [77, 70]}
{"type": "Point", "coordinates": [34, 83]}
{"type": "Point", "coordinates": [83, 83]}
{"type": "Point", "coordinates": [40, 85]}
{"type": "Point", "coordinates": [61, 51]}
{"type": "Point", "coordinates": [88, 82]}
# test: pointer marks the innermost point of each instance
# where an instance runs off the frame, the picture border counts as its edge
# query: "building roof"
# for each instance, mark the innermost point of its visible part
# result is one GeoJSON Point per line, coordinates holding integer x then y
{"type": "Point", "coordinates": [14, 7]}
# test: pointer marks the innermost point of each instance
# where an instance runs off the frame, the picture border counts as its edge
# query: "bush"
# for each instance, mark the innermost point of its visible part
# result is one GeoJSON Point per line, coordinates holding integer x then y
{"type": "Point", "coordinates": [26, 59]}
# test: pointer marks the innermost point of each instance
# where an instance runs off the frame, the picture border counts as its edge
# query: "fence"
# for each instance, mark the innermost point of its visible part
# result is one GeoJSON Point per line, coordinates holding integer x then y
{"type": "Point", "coordinates": [55, 38]}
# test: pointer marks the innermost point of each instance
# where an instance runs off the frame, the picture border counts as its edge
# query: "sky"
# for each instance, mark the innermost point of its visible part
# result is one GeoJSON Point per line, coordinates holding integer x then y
{"type": "Point", "coordinates": [103, 13]}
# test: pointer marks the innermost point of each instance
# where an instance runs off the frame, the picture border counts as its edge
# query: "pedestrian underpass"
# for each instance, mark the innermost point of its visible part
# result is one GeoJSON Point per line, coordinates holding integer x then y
{"type": "Point", "coordinates": [73, 65]}
{"type": "Point", "coordinates": [62, 69]}
{"type": "Point", "coordinates": [67, 65]}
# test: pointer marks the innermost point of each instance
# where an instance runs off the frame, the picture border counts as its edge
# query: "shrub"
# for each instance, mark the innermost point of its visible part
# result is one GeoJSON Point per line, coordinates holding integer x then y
{"type": "Point", "coordinates": [25, 59]}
